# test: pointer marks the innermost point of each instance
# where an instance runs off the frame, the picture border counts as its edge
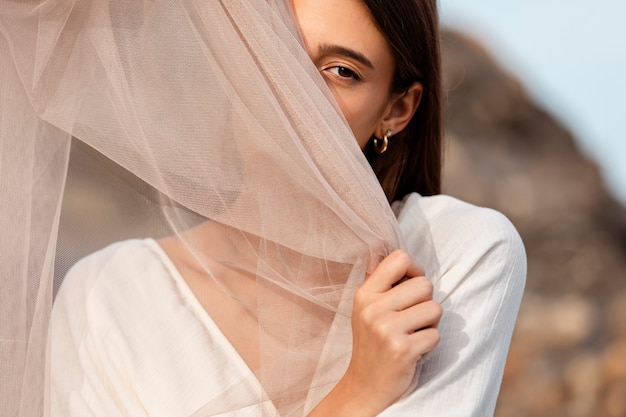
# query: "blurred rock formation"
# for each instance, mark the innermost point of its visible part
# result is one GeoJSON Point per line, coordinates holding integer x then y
{"type": "Point", "coordinates": [568, 356]}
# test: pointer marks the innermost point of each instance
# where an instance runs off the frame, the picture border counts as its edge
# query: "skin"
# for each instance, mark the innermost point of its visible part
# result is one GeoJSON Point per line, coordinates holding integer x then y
{"type": "Point", "coordinates": [393, 326]}
{"type": "Point", "coordinates": [356, 62]}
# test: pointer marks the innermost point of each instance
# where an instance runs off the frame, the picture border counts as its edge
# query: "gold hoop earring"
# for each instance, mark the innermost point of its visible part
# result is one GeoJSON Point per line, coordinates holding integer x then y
{"type": "Point", "coordinates": [380, 149]}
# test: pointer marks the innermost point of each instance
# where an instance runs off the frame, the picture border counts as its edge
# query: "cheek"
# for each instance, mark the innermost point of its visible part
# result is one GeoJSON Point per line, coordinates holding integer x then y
{"type": "Point", "coordinates": [363, 113]}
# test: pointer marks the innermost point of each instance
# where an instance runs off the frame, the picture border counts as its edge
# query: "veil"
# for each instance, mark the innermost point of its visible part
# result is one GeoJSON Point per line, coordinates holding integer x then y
{"type": "Point", "coordinates": [212, 115]}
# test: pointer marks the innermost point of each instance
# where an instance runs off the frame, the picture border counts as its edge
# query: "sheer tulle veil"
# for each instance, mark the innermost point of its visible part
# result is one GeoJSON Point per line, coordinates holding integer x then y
{"type": "Point", "coordinates": [216, 110]}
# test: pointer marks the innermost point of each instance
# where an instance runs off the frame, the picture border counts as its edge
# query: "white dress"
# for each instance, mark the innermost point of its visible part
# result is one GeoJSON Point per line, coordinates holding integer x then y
{"type": "Point", "coordinates": [129, 338]}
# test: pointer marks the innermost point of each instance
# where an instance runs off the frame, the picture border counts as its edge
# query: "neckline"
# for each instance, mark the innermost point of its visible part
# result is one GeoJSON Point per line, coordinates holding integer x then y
{"type": "Point", "coordinates": [206, 320]}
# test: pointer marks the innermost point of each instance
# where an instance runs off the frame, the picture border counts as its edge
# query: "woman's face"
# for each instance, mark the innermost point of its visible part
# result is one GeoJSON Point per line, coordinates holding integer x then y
{"type": "Point", "coordinates": [355, 60]}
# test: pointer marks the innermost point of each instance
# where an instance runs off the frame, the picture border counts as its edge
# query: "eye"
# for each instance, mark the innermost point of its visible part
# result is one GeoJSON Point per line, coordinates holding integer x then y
{"type": "Point", "coordinates": [344, 72]}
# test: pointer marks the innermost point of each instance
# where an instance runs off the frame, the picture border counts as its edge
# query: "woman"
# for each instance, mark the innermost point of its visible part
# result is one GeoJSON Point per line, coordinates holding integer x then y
{"type": "Point", "coordinates": [131, 334]}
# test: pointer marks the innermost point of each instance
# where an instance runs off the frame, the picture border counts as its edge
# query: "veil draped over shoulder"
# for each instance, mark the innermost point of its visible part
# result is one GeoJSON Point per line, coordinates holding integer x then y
{"type": "Point", "coordinates": [211, 114]}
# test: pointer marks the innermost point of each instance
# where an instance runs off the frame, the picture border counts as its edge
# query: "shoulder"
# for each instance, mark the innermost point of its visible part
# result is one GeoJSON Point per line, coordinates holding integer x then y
{"type": "Point", "coordinates": [110, 258]}
{"type": "Point", "coordinates": [120, 263]}
{"type": "Point", "coordinates": [451, 220]}
{"type": "Point", "coordinates": [461, 236]}
{"type": "Point", "coordinates": [455, 218]}
{"type": "Point", "coordinates": [120, 276]}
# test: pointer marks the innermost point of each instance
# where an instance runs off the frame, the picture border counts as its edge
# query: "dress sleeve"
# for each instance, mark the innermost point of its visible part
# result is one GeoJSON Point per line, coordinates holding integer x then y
{"type": "Point", "coordinates": [88, 376]}
{"type": "Point", "coordinates": [480, 280]}
{"type": "Point", "coordinates": [128, 338]}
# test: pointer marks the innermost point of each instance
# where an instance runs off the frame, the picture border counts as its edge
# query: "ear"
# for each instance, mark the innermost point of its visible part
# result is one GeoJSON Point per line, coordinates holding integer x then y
{"type": "Point", "coordinates": [400, 109]}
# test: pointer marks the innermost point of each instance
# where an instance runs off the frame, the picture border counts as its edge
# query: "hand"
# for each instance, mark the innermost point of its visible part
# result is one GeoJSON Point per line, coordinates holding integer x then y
{"type": "Point", "coordinates": [392, 328]}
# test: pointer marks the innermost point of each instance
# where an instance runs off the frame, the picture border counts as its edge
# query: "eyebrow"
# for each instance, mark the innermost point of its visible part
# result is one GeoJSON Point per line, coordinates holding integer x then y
{"type": "Point", "coordinates": [326, 49]}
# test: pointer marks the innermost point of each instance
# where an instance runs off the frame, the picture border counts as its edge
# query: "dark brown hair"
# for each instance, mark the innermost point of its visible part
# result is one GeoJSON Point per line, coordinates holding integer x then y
{"type": "Point", "coordinates": [413, 160]}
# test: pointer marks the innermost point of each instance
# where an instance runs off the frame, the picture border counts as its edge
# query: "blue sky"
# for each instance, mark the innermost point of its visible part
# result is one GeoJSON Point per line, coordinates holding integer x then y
{"type": "Point", "coordinates": [571, 56]}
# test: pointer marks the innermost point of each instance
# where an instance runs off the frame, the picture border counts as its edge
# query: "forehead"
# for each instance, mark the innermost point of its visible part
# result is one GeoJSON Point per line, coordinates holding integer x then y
{"type": "Point", "coordinates": [340, 22]}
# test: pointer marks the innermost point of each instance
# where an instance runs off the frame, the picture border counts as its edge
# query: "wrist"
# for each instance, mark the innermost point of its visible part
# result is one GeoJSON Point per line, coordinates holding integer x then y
{"type": "Point", "coordinates": [347, 399]}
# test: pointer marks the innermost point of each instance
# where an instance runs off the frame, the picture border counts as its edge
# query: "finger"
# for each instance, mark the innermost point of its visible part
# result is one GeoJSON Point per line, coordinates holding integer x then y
{"type": "Point", "coordinates": [421, 316]}
{"type": "Point", "coordinates": [414, 269]}
{"type": "Point", "coordinates": [394, 267]}
{"type": "Point", "coordinates": [408, 293]}
{"type": "Point", "coordinates": [424, 341]}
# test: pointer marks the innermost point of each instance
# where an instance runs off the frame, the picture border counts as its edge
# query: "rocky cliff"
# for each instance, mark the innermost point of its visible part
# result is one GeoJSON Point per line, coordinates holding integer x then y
{"type": "Point", "coordinates": [568, 356]}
